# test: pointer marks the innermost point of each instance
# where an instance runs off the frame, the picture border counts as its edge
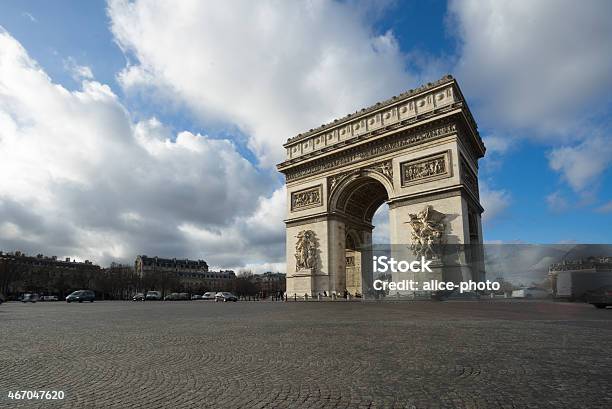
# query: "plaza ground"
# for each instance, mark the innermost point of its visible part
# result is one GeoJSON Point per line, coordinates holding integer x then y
{"type": "Point", "coordinates": [487, 354]}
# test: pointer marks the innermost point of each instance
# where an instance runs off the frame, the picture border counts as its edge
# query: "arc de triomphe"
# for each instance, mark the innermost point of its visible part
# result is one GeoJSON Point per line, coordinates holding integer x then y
{"type": "Point", "coordinates": [418, 152]}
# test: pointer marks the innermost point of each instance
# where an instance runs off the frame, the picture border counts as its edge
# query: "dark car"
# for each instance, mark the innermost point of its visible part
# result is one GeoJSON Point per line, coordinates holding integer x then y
{"type": "Point", "coordinates": [81, 295]}
{"type": "Point", "coordinates": [600, 298]}
{"type": "Point", "coordinates": [225, 297]}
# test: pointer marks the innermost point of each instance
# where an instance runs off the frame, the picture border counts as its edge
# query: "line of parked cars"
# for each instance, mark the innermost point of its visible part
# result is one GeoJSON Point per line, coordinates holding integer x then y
{"type": "Point", "coordinates": [149, 296]}
{"type": "Point", "coordinates": [34, 297]}
{"type": "Point", "coordinates": [76, 296]}
{"type": "Point", "coordinates": [156, 296]}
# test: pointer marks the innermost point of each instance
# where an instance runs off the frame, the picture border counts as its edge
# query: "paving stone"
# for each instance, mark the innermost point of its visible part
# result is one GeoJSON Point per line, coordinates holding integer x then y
{"type": "Point", "coordinates": [308, 355]}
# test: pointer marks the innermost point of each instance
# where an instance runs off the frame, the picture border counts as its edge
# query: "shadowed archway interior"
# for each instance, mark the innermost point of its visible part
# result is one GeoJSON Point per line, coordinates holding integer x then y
{"type": "Point", "coordinates": [361, 198]}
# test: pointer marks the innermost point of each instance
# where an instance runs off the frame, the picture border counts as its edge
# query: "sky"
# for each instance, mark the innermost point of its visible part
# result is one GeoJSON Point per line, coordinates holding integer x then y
{"type": "Point", "coordinates": [154, 127]}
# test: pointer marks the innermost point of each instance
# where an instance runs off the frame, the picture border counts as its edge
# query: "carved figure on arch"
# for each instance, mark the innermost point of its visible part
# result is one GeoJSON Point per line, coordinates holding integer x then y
{"type": "Point", "coordinates": [305, 250]}
{"type": "Point", "coordinates": [427, 232]}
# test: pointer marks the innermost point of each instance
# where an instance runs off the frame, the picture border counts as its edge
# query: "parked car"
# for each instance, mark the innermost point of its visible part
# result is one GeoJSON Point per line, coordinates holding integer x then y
{"type": "Point", "coordinates": [208, 296]}
{"type": "Point", "coordinates": [600, 298]}
{"type": "Point", "coordinates": [172, 297]}
{"type": "Point", "coordinates": [49, 298]}
{"type": "Point", "coordinates": [196, 297]}
{"type": "Point", "coordinates": [225, 297]}
{"type": "Point", "coordinates": [153, 296]}
{"type": "Point", "coordinates": [183, 297]}
{"type": "Point", "coordinates": [531, 292]}
{"type": "Point", "coordinates": [29, 297]}
{"type": "Point", "coordinates": [81, 295]}
{"type": "Point", "coordinates": [138, 297]}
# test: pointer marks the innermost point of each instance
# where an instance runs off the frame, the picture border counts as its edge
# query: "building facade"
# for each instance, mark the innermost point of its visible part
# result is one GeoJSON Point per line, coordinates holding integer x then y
{"type": "Point", "coordinates": [269, 283]}
{"type": "Point", "coordinates": [573, 278]}
{"type": "Point", "coordinates": [20, 272]}
{"type": "Point", "coordinates": [181, 274]}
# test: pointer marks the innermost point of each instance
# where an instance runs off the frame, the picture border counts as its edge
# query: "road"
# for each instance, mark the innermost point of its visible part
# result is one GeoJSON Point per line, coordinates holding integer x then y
{"type": "Point", "coordinates": [488, 354]}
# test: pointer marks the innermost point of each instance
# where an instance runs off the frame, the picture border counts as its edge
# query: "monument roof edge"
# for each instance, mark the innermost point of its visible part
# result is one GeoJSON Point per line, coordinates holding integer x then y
{"type": "Point", "coordinates": [411, 93]}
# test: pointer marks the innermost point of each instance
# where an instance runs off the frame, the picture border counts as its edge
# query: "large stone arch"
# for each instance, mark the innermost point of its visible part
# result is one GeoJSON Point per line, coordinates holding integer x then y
{"type": "Point", "coordinates": [418, 152]}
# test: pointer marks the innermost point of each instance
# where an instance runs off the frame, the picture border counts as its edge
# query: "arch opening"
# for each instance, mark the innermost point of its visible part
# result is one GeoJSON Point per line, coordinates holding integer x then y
{"type": "Point", "coordinates": [358, 200]}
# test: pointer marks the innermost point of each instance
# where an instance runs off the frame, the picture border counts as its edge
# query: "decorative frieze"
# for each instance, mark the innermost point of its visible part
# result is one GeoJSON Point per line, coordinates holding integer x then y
{"type": "Point", "coordinates": [373, 149]}
{"type": "Point", "coordinates": [426, 169]}
{"type": "Point", "coordinates": [307, 198]}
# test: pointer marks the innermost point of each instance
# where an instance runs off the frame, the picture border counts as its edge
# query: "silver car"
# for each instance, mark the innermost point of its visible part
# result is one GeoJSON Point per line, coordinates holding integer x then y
{"type": "Point", "coordinates": [225, 297]}
{"type": "Point", "coordinates": [30, 298]}
{"type": "Point", "coordinates": [153, 296]}
{"type": "Point", "coordinates": [208, 296]}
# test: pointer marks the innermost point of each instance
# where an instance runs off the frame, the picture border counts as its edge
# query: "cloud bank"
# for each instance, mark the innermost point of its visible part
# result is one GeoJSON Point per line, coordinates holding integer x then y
{"type": "Point", "coordinates": [80, 178]}
{"type": "Point", "coordinates": [274, 69]}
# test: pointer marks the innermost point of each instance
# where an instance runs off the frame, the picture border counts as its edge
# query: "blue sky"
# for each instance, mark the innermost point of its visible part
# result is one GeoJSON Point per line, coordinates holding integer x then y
{"type": "Point", "coordinates": [538, 87]}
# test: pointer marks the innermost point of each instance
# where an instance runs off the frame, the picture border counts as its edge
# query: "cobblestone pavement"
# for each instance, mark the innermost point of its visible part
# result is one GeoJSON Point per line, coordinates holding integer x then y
{"type": "Point", "coordinates": [308, 355]}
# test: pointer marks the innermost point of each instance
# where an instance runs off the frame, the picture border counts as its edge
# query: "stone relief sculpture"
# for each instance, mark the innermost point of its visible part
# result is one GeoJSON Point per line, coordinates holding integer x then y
{"type": "Point", "coordinates": [306, 198]}
{"type": "Point", "coordinates": [422, 170]}
{"type": "Point", "coordinates": [305, 250]}
{"type": "Point", "coordinates": [425, 169]}
{"type": "Point", "coordinates": [385, 168]}
{"type": "Point", "coordinates": [427, 232]}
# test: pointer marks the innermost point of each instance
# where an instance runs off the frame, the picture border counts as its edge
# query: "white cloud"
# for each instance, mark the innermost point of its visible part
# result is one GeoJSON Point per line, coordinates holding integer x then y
{"type": "Point", "coordinates": [79, 177]}
{"type": "Point", "coordinates": [256, 237]}
{"type": "Point", "coordinates": [497, 144]}
{"type": "Point", "coordinates": [581, 165]}
{"type": "Point", "coordinates": [605, 208]}
{"type": "Point", "coordinates": [543, 65]}
{"type": "Point", "coordinates": [494, 202]}
{"type": "Point", "coordinates": [497, 147]}
{"type": "Point", "coordinates": [557, 202]}
{"type": "Point", "coordinates": [78, 72]}
{"type": "Point", "coordinates": [274, 69]}
{"type": "Point", "coordinates": [538, 70]}
{"type": "Point", "coordinates": [29, 16]}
